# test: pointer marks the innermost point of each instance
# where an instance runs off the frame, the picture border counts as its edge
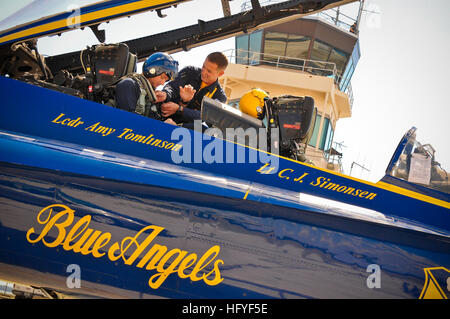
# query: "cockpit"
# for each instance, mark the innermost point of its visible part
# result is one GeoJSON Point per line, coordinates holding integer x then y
{"type": "Point", "coordinates": [415, 163]}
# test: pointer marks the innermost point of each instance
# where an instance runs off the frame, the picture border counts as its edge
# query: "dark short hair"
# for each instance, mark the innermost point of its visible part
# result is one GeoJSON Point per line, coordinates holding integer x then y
{"type": "Point", "coordinates": [218, 58]}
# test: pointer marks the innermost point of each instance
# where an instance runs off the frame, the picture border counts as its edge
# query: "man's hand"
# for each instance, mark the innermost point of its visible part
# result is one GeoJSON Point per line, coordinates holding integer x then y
{"type": "Point", "coordinates": [170, 121]}
{"type": "Point", "coordinates": [169, 108]}
{"type": "Point", "coordinates": [160, 96]}
{"type": "Point", "coordinates": [187, 93]}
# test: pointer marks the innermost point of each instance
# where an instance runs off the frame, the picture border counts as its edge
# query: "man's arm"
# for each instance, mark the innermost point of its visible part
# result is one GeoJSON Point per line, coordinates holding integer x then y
{"type": "Point", "coordinates": [183, 114]}
{"type": "Point", "coordinates": [172, 88]}
{"type": "Point", "coordinates": [189, 115]}
{"type": "Point", "coordinates": [220, 95]}
{"type": "Point", "coordinates": [127, 94]}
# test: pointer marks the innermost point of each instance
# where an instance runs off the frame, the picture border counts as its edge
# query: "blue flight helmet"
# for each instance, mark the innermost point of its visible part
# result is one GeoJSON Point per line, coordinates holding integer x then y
{"type": "Point", "coordinates": [159, 63]}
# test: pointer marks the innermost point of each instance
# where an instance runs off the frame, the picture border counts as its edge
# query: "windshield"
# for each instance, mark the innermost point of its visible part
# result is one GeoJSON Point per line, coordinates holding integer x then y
{"type": "Point", "coordinates": [18, 12]}
{"type": "Point", "coordinates": [417, 164]}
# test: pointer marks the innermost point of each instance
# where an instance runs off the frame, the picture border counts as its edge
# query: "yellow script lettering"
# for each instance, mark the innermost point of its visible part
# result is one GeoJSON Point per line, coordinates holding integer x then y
{"type": "Point", "coordinates": [50, 223]}
{"type": "Point", "coordinates": [81, 239]}
{"type": "Point", "coordinates": [133, 240]}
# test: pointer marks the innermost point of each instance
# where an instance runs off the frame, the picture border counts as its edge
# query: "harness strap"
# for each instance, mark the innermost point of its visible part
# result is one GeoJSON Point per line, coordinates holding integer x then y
{"type": "Point", "coordinates": [147, 95]}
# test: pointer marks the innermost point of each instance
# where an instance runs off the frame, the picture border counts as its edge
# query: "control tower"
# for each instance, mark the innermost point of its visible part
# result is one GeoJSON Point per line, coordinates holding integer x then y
{"type": "Point", "coordinates": [314, 56]}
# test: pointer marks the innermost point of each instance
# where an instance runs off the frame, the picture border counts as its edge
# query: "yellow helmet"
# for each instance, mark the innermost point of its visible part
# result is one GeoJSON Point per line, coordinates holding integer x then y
{"type": "Point", "coordinates": [252, 102]}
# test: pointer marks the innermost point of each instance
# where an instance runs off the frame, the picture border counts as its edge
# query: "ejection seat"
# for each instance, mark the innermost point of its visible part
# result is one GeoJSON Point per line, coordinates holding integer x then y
{"type": "Point", "coordinates": [296, 117]}
{"type": "Point", "coordinates": [108, 62]}
{"type": "Point", "coordinates": [104, 65]}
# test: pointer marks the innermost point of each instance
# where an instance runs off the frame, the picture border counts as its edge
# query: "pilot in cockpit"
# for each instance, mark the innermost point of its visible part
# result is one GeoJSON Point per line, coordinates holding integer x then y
{"type": "Point", "coordinates": [136, 92]}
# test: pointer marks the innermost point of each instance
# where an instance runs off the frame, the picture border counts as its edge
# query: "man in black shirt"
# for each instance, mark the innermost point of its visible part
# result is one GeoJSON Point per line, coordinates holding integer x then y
{"type": "Point", "coordinates": [184, 95]}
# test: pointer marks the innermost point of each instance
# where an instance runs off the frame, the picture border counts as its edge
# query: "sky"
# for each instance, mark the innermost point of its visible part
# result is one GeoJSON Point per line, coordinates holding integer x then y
{"type": "Point", "coordinates": [401, 79]}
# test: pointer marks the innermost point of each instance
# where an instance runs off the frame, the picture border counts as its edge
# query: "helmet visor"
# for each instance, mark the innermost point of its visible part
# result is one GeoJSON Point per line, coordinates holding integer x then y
{"type": "Point", "coordinates": [171, 75]}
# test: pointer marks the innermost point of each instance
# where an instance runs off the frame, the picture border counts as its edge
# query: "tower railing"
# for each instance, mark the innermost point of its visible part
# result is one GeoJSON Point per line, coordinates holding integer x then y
{"type": "Point", "coordinates": [316, 67]}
